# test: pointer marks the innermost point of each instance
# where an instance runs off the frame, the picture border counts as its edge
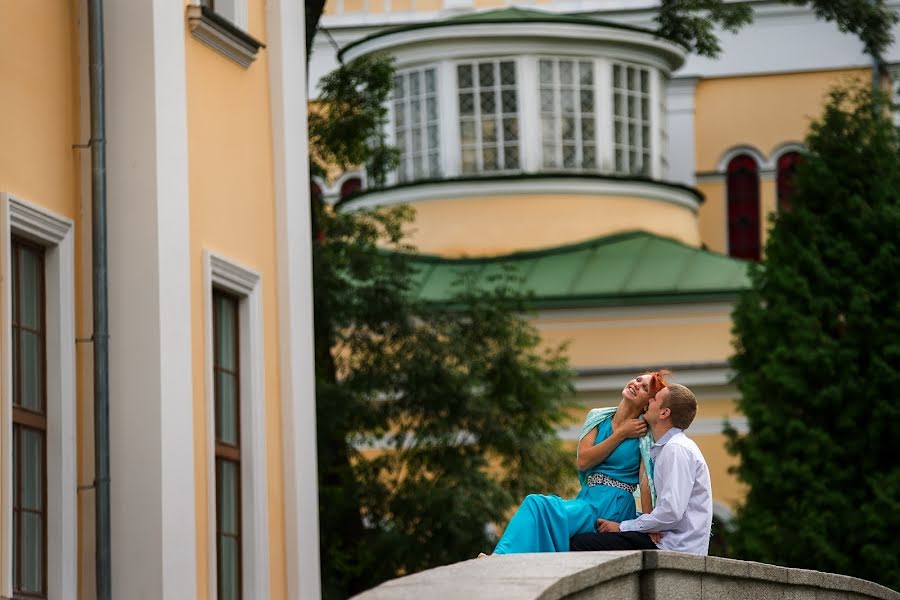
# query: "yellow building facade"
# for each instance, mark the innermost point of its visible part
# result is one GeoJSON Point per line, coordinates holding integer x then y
{"type": "Point", "coordinates": [212, 414]}
{"type": "Point", "coordinates": [540, 133]}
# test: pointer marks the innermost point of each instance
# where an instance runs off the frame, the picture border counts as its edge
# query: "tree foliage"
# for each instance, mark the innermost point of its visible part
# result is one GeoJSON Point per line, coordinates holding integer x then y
{"type": "Point", "coordinates": [693, 23]}
{"type": "Point", "coordinates": [432, 420]}
{"type": "Point", "coordinates": [818, 358]}
{"type": "Point", "coordinates": [347, 123]}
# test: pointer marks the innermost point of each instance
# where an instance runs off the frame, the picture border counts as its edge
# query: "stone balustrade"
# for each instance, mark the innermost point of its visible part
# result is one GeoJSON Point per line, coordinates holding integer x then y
{"type": "Point", "coordinates": [633, 575]}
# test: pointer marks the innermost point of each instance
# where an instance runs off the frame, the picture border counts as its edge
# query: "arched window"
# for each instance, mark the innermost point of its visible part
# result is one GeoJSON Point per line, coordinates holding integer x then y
{"type": "Point", "coordinates": [787, 165]}
{"type": "Point", "coordinates": [350, 187]}
{"type": "Point", "coordinates": [743, 208]}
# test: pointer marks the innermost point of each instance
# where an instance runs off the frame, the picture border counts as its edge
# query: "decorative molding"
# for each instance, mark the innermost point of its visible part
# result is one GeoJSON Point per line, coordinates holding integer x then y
{"type": "Point", "coordinates": [781, 149]}
{"type": "Point", "coordinates": [456, 40]}
{"type": "Point", "coordinates": [332, 193]}
{"type": "Point", "coordinates": [634, 311]}
{"type": "Point", "coordinates": [246, 284]}
{"type": "Point", "coordinates": [230, 275]}
{"type": "Point", "coordinates": [768, 166]}
{"type": "Point", "coordinates": [645, 322]}
{"type": "Point", "coordinates": [608, 379]}
{"type": "Point", "coordinates": [222, 35]}
{"type": "Point", "coordinates": [56, 234]}
{"type": "Point", "coordinates": [728, 155]}
{"type": "Point", "coordinates": [35, 222]}
{"type": "Point", "coordinates": [525, 185]}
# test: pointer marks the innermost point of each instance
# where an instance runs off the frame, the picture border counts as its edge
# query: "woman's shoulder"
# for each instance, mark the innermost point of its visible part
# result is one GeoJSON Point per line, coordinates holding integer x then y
{"type": "Point", "coordinates": [599, 414]}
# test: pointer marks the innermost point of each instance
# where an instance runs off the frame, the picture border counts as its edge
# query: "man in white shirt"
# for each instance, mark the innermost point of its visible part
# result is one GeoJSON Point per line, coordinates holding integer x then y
{"type": "Point", "coordinates": [682, 517]}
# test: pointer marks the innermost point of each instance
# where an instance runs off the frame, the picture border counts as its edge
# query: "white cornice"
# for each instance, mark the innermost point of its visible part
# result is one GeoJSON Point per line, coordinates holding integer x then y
{"type": "Point", "coordinates": [518, 38]}
{"type": "Point", "coordinates": [634, 312]}
{"type": "Point", "coordinates": [36, 222]}
{"type": "Point", "coordinates": [537, 186]}
{"type": "Point", "coordinates": [229, 274]}
{"type": "Point", "coordinates": [216, 38]}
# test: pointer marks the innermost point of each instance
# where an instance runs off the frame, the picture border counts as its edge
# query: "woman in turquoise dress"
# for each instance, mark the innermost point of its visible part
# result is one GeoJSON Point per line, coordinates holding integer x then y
{"type": "Point", "coordinates": [612, 458]}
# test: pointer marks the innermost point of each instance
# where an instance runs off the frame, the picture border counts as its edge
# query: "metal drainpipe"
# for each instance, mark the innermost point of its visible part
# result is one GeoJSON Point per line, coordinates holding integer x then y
{"type": "Point", "coordinates": [100, 301]}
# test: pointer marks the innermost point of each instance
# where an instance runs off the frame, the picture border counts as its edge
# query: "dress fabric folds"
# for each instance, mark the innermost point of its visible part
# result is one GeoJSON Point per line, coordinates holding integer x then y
{"type": "Point", "coordinates": [545, 523]}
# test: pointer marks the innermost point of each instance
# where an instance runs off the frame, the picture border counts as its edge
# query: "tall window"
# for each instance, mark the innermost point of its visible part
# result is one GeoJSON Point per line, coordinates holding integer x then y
{"type": "Point", "coordinates": [631, 119]}
{"type": "Point", "coordinates": [488, 116]}
{"type": "Point", "coordinates": [416, 124]}
{"type": "Point", "coordinates": [787, 165]}
{"type": "Point", "coordinates": [568, 121]}
{"type": "Point", "coordinates": [29, 412]}
{"type": "Point", "coordinates": [226, 372]}
{"type": "Point", "coordinates": [743, 208]}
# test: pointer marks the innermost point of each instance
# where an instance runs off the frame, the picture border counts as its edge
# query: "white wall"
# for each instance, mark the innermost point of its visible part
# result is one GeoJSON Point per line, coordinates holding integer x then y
{"type": "Point", "coordinates": [151, 401]}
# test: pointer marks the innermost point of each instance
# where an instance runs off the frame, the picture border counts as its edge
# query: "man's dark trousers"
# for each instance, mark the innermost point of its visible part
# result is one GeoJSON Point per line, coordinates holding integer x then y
{"type": "Point", "coordinates": [620, 540]}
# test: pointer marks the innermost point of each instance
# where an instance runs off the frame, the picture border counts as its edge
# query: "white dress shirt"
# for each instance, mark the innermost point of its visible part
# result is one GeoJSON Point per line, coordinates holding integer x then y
{"type": "Point", "coordinates": [683, 496]}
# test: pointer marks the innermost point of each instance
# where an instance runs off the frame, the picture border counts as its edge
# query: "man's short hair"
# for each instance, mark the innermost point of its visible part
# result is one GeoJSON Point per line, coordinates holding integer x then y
{"type": "Point", "coordinates": [681, 402]}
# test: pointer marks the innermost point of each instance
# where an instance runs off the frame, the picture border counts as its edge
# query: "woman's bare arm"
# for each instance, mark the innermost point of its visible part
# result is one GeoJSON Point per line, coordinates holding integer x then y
{"type": "Point", "coordinates": [590, 455]}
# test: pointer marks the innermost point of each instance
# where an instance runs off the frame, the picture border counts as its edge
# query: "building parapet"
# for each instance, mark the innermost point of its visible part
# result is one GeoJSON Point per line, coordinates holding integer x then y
{"type": "Point", "coordinates": [647, 575]}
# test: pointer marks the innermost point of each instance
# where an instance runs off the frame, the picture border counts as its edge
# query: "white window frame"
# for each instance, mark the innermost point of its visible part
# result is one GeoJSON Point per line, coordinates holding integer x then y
{"type": "Point", "coordinates": [556, 86]}
{"type": "Point", "coordinates": [476, 90]}
{"type": "Point", "coordinates": [238, 16]}
{"type": "Point", "coordinates": [229, 276]}
{"type": "Point", "coordinates": [56, 234]}
{"type": "Point", "coordinates": [407, 156]}
{"type": "Point", "coordinates": [637, 143]}
{"type": "Point", "coordinates": [528, 114]}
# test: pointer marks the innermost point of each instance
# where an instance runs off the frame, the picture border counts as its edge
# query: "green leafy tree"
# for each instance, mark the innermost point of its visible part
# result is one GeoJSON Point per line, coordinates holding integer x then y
{"type": "Point", "coordinates": [818, 351]}
{"type": "Point", "coordinates": [457, 406]}
{"type": "Point", "coordinates": [692, 23]}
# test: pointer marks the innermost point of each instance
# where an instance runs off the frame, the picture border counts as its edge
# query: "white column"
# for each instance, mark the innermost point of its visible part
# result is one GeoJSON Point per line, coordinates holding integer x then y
{"type": "Point", "coordinates": [448, 115]}
{"type": "Point", "coordinates": [529, 114]}
{"type": "Point", "coordinates": [154, 534]}
{"type": "Point", "coordinates": [682, 167]}
{"type": "Point", "coordinates": [604, 110]}
{"type": "Point", "coordinates": [287, 75]}
{"type": "Point", "coordinates": [656, 149]}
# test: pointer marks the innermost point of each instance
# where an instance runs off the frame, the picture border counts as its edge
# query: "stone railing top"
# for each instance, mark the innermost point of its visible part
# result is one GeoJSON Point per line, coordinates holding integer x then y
{"type": "Point", "coordinates": [558, 576]}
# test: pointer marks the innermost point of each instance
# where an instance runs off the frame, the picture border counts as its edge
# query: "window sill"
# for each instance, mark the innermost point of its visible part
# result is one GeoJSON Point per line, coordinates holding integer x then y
{"type": "Point", "coordinates": [222, 35]}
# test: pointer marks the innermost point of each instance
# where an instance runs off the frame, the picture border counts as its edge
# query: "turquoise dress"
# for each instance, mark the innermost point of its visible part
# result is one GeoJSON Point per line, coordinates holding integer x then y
{"type": "Point", "coordinates": [545, 523]}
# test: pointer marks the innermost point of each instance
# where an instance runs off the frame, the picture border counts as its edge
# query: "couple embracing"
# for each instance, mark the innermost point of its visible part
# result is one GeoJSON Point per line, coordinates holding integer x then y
{"type": "Point", "coordinates": [638, 446]}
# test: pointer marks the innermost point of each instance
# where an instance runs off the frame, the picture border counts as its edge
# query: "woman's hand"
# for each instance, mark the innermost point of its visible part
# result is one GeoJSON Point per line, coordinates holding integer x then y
{"type": "Point", "coordinates": [632, 428]}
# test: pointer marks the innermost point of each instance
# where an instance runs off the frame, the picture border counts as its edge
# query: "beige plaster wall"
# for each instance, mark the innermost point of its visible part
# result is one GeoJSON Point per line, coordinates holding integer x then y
{"type": "Point", "coordinates": [232, 213]}
{"type": "Point", "coordinates": [763, 112]}
{"type": "Point", "coordinates": [502, 224]}
{"type": "Point", "coordinates": [40, 107]}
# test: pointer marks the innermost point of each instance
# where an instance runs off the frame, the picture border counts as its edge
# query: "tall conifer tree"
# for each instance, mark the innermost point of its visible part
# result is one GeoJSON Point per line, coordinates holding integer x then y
{"type": "Point", "coordinates": [818, 358]}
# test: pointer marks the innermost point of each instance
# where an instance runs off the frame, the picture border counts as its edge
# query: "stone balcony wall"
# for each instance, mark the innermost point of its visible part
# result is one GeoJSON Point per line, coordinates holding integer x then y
{"type": "Point", "coordinates": [634, 575]}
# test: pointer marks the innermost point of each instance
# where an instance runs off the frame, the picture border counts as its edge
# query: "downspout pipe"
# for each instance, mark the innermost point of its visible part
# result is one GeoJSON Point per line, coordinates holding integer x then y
{"type": "Point", "coordinates": [100, 300]}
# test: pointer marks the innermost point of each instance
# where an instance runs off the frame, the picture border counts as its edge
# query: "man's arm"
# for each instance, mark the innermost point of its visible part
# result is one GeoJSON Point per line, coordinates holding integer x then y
{"type": "Point", "coordinates": [676, 481]}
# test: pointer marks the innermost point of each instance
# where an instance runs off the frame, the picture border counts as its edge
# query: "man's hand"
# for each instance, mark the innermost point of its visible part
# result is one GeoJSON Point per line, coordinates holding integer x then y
{"type": "Point", "coordinates": [604, 526]}
{"type": "Point", "coordinates": [655, 537]}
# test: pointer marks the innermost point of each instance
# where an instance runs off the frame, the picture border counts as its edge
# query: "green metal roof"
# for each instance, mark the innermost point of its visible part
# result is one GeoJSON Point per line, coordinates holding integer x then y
{"type": "Point", "coordinates": [627, 268]}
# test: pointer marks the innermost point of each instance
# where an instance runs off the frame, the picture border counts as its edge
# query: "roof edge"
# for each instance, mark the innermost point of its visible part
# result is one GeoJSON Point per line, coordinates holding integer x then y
{"type": "Point", "coordinates": [562, 249]}
{"type": "Point", "coordinates": [351, 200]}
{"type": "Point", "coordinates": [483, 19]}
